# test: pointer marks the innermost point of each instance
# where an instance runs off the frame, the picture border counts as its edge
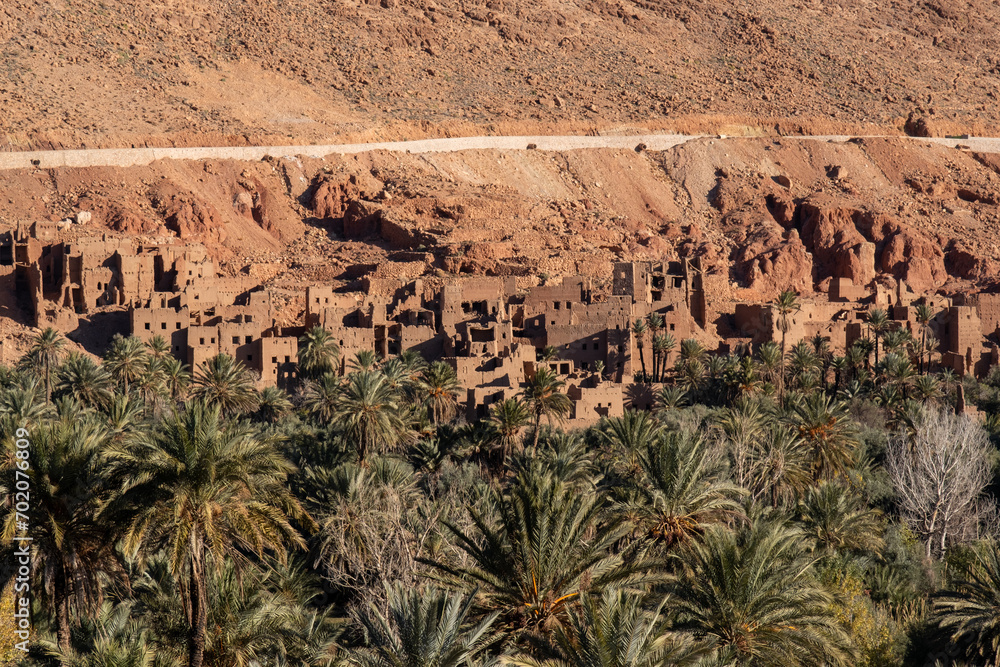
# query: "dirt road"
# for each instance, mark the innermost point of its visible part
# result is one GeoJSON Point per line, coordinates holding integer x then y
{"type": "Point", "coordinates": [127, 157]}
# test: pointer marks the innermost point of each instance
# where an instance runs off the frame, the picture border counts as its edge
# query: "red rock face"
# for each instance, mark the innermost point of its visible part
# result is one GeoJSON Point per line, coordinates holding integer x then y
{"type": "Point", "coordinates": [189, 216]}
{"type": "Point", "coordinates": [332, 197]}
{"type": "Point", "coordinates": [839, 250]}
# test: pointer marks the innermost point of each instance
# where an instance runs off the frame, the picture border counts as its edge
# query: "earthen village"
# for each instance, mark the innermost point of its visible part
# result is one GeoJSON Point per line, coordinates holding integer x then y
{"type": "Point", "coordinates": [494, 331]}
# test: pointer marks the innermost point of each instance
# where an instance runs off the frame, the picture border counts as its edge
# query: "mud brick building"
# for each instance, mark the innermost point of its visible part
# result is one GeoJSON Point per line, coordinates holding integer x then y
{"type": "Point", "coordinates": [490, 330]}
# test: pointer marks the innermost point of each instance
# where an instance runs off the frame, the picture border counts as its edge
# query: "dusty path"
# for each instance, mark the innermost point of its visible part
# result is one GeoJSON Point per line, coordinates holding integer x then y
{"type": "Point", "coordinates": [128, 157]}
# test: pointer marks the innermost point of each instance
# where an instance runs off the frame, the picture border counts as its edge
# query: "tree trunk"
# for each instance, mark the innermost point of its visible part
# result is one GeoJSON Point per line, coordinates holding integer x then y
{"type": "Point", "coordinates": [642, 360]}
{"type": "Point", "coordinates": [781, 376]}
{"type": "Point", "coordinates": [62, 614]}
{"type": "Point", "coordinates": [923, 347]}
{"type": "Point", "coordinates": [199, 615]}
{"type": "Point", "coordinates": [538, 423]}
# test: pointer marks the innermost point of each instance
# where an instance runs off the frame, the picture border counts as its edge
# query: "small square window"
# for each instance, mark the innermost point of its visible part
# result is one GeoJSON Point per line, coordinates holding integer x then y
{"type": "Point", "coordinates": [213, 341]}
{"type": "Point", "coordinates": [274, 360]}
{"type": "Point", "coordinates": [287, 359]}
{"type": "Point", "coordinates": [236, 340]}
{"type": "Point", "coordinates": [177, 325]}
{"type": "Point", "coordinates": [249, 357]}
{"type": "Point", "coordinates": [201, 341]}
{"type": "Point", "coordinates": [147, 326]}
{"type": "Point", "coordinates": [163, 325]}
{"type": "Point", "coordinates": [248, 339]}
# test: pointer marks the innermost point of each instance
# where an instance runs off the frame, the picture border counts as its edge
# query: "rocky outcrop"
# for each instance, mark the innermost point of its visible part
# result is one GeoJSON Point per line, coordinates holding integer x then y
{"type": "Point", "coordinates": [773, 260]}
{"type": "Point", "coordinates": [188, 216]}
{"type": "Point", "coordinates": [839, 250]}
{"type": "Point", "coordinates": [905, 253]}
{"type": "Point", "coordinates": [332, 196]}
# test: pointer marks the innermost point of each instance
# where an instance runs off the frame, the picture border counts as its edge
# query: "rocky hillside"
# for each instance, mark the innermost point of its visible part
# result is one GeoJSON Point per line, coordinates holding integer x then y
{"type": "Point", "coordinates": [763, 214]}
{"type": "Point", "coordinates": [115, 73]}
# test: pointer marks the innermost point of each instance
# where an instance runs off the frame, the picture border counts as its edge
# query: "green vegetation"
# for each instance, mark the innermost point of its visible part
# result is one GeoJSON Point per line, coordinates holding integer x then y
{"type": "Point", "coordinates": [776, 508]}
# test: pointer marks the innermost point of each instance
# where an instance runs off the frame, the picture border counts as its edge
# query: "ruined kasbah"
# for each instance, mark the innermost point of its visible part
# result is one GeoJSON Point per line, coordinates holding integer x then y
{"type": "Point", "coordinates": [494, 331]}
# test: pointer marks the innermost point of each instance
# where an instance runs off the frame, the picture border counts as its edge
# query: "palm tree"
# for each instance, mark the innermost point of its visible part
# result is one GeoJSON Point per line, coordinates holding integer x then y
{"type": "Point", "coordinates": [927, 388]}
{"type": "Point", "coordinates": [508, 417]}
{"type": "Point", "coordinates": [930, 345]}
{"type": "Point", "coordinates": [663, 344]}
{"type": "Point", "coordinates": [398, 377]}
{"type": "Point", "coordinates": [639, 334]}
{"type": "Point", "coordinates": [273, 404]}
{"type": "Point", "coordinates": [542, 551]}
{"type": "Point", "coordinates": [612, 629]}
{"type": "Point", "coordinates": [125, 360]}
{"type": "Point", "coordinates": [741, 377]}
{"type": "Point", "coordinates": [895, 340]}
{"type": "Point", "coordinates": [549, 353]}
{"type": "Point", "coordinates": [320, 397]}
{"type": "Point", "coordinates": [826, 426]}
{"type": "Point", "coordinates": [803, 360]}
{"type": "Point", "coordinates": [259, 616]}
{"type": "Point", "coordinates": [670, 398]}
{"type": "Point", "coordinates": [204, 491]}
{"type": "Point", "coordinates": [176, 377]}
{"type": "Point", "coordinates": [839, 366]}
{"type": "Point", "coordinates": [859, 356]}
{"type": "Point", "coordinates": [970, 610]}
{"type": "Point", "coordinates": [364, 360]}
{"type": "Point", "coordinates": [430, 628]}
{"type": "Point", "coordinates": [898, 371]}
{"type": "Point", "coordinates": [151, 386]}
{"type": "Point", "coordinates": [85, 380]}
{"type": "Point", "coordinates": [779, 466]}
{"type": "Point", "coordinates": [23, 406]}
{"type": "Point", "coordinates": [369, 413]}
{"type": "Point", "coordinates": [543, 397]}
{"type": "Point", "coordinates": [224, 382]}
{"type": "Point", "coordinates": [692, 350]}
{"type": "Point", "coordinates": [46, 349]}
{"type": "Point", "coordinates": [631, 433]}
{"type": "Point", "coordinates": [924, 314]}
{"type": "Point", "coordinates": [691, 374]}
{"type": "Point", "coordinates": [73, 555]}
{"type": "Point", "coordinates": [682, 492]}
{"type": "Point", "coordinates": [786, 304]}
{"type": "Point", "coordinates": [654, 321]}
{"type": "Point", "coordinates": [770, 362]}
{"type": "Point", "coordinates": [837, 519]}
{"type": "Point", "coordinates": [318, 353]}
{"type": "Point", "coordinates": [878, 322]}
{"type": "Point", "coordinates": [439, 387]}
{"type": "Point", "coordinates": [751, 596]}
{"type": "Point", "coordinates": [413, 363]}
{"type": "Point", "coordinates": [115, 639]}
{"type": "Point", "coordinates": [158, 347]}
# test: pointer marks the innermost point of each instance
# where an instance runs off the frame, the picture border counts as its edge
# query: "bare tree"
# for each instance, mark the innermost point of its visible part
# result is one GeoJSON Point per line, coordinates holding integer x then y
{"type": "Point", "coordinates": [939, 475]}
